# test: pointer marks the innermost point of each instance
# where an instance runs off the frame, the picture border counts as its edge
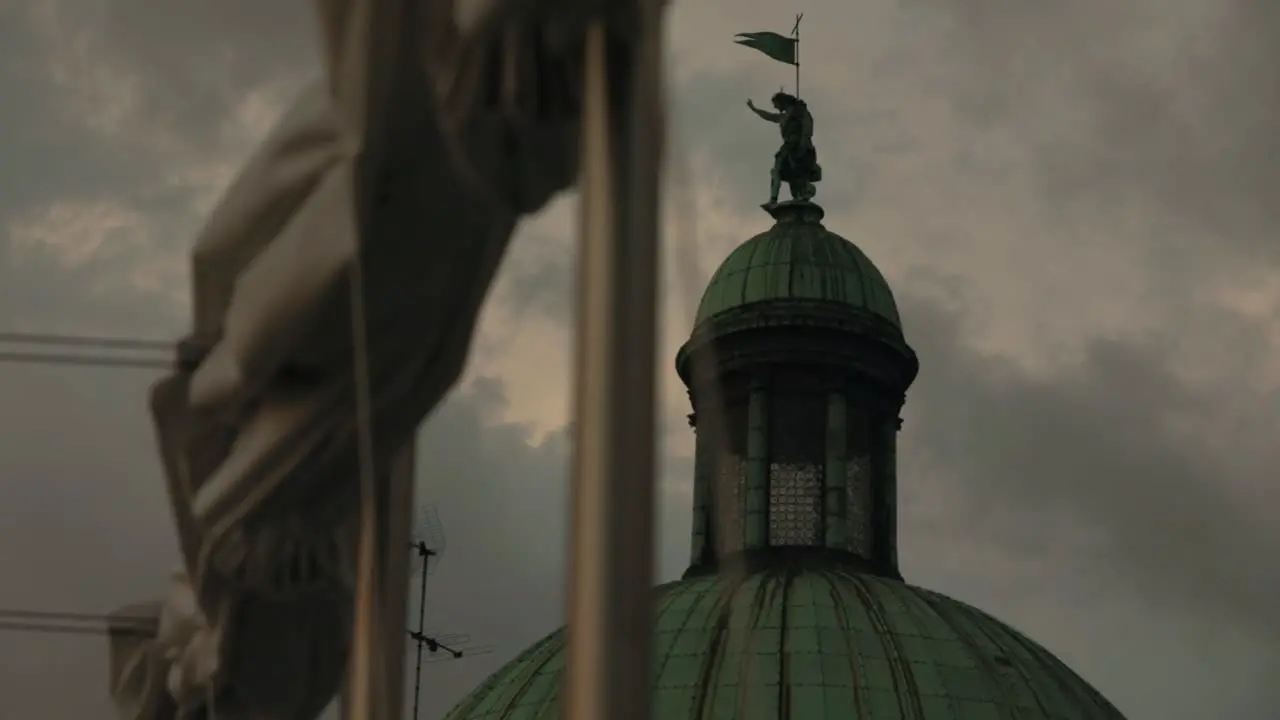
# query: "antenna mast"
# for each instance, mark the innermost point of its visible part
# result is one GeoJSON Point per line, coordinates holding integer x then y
{"type": "Point", "coordinates": [430, 544]}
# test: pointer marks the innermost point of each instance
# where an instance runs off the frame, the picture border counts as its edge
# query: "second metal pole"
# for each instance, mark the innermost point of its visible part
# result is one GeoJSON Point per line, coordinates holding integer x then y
{"type": "Point", "coordinates": [611, 546]}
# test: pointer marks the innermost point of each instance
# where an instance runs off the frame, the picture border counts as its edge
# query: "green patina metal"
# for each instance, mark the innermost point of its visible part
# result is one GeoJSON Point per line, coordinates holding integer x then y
{"type": "Point", "coordinates": [701, 489]}
{"type": "Point", "coordinates": [887, 458]}
{"type": "Point", "coordinates": [817, 643]}
{"type": "Point", "coordinates": [798, 258]}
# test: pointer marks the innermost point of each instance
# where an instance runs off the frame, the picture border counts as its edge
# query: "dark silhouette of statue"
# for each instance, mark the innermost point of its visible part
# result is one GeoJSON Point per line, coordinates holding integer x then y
{"type": "Point", "coordinates": [796, 162]}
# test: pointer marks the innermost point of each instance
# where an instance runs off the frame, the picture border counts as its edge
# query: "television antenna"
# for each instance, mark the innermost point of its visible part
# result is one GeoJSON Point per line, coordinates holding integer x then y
{"type": "Point", "coordinates": [429, 544]}
{"type": "Point", "coordinates": [443, 647]}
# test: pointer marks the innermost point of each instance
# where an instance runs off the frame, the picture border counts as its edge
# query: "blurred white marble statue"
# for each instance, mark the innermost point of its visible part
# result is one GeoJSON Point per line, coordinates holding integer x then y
{"type": "Point", "coordinates": [437, 125]}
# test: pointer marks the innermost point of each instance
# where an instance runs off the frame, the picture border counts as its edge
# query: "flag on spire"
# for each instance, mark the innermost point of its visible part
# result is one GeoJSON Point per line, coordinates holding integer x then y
{"type": "Point", "coordinates": [779, 47]}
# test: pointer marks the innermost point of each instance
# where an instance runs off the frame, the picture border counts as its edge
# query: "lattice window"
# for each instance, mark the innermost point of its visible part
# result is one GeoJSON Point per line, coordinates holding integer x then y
{"type": "Point", "coordinates": [797, 454]}
{"type": "Point", "coordinates": [795, 504]}
{"type": "Point", "coordinates": [858, 488]}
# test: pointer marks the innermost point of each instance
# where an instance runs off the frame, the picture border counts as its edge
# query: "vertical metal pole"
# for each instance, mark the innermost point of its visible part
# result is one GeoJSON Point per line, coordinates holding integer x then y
{"type": "Point", "coordinates": [375, 689]}
{"type": "Point", "coordinates": [611, 546]}
{"type": "Point", "coordinates": [422, 618]}
{"type": "Point", "coordinates": [372, 45]}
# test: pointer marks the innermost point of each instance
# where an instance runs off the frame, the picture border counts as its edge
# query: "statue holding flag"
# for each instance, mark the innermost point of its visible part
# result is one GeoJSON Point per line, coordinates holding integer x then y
{"type": "Point", "coordinates": [796, 162]}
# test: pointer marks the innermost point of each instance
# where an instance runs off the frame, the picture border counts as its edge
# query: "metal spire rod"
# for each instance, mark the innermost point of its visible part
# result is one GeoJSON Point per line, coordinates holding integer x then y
{"type": "Point", "coordinates": [795, 32]}
{"type": "Point", "coordinates": [611, 546]}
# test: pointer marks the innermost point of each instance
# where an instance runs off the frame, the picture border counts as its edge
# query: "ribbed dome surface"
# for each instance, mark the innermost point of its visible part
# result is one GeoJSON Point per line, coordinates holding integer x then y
{"type": "Point", "coordinates": [817, 643]}
{"type": "Point", "coordinates": [798, 258]}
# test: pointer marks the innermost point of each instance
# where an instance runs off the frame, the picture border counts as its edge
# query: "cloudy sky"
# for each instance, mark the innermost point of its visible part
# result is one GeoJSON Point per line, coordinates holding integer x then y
{"type": "Point", "coordinates": [1075, 202]}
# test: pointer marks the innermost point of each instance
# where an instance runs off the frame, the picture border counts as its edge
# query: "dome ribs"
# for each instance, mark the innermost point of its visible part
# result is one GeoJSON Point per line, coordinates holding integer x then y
{"type": "Point", "coordinates": [904, 682]}
{"type": "Point", "coordinates": [841, 612]}
{"type": "Point", "coordinates": [957, 626]}
{"type": "Point", "coordinates": [784, 653]}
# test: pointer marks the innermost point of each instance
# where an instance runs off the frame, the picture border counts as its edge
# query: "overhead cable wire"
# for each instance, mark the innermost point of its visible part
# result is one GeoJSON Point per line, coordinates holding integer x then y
{"type": "Point", "coordinates": [114, 343]}
{"type": "Point", "coordinates": [26, 358]}
{"type": "Point", "coordinates": [59, 629]}
{"type": "Point", "coordinates": [9, 613]}
{"type": "Point", "coordinates": [37, 621]}
{"type": "Point", "coordinates": [136, 357]}
{"type": "Point", "coordinates": [65, 623]}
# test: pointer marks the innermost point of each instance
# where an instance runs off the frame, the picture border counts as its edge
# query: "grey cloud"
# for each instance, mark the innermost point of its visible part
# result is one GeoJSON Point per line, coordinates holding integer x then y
{"type": "Point", "coordinates": [1170, 105]}
{"type": "Point", "coordinates": [45, 152]}
{"type": "Point", "coordinates": [1120, 497]}
{"type": "Point", "coordinates": [52, 153]}
{"type": "Point", "coordinates": [196, 59]}
{"type": "Point", "coordinates": [1162, 482]}
{"type": "Point", "coordinates": [33, 297]}
{"type": "Point", "coordinates": [538, 276]}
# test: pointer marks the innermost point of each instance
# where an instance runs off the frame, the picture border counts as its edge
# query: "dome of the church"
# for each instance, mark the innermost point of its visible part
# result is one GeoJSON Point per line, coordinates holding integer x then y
{"type": "Point", "coordinates": [794, 605]}
{"type": "Point", "coordinates": [820, 642]}
{"type": "Point", "coordinates": [798, 259]}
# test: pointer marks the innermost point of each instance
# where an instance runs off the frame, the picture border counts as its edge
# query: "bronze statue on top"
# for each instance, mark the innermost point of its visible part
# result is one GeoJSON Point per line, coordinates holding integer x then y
{"type": "Point", "coordinates": [796, 162]}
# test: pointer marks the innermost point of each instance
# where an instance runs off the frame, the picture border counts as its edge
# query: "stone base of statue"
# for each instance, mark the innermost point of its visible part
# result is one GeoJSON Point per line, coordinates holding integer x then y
{"type": "Point", "coordinates": [804, 210]}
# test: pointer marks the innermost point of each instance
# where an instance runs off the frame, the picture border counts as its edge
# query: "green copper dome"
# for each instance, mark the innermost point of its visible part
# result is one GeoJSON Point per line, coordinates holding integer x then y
{"type": "Point", "coordinates": [798, 258]}
{"type": "Point", "coordinates": [824, 642]}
